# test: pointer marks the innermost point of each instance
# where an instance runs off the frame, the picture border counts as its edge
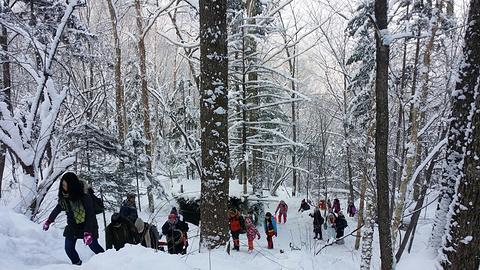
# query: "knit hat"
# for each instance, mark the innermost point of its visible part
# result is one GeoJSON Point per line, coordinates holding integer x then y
{"type": "Point", "coordinates": [131, 195]}
{"type": "Point", "coordinates": [268, 214]}
{"type": "Point", "coordinates": [139, 224]}
{"type": "Point", "coordinates": [174, 211]}
{"type": "Point", "coordinates": [172, 218]}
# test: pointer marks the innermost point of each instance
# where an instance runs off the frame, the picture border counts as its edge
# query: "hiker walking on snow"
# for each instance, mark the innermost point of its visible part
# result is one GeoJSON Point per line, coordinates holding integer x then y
{"type": "Point", "coordinates": [237, 225]}
{"type": "Point", "coordinates": [282, 210]}
{"type": "Point", "coordinates": [173, 230]}
{"type": "Point", "coordinates": [351, 209]}
{"type": "Point", "coordinates": [317, 223]}
{"type": "Point", "coordinates": [184, 226]}
{"type": "Point", "coordinates": [120, 232]}
{"type": "Point", "coordinates": [336, 205]}
{"type": "Point", "coordinates": [129, 209]}
{"type": "Point", "coordinates": [73, 198]}
{"type": "Point", "coordinates": [340, 225]}
{"type": "Point", "coordinates": [252, 231]}
{"type": "Point", "coordinates": [330, 226]}
{"type": "Point", "coordinates": [270, 227]}
{"type": "Point", "coordinates": [148, 234]}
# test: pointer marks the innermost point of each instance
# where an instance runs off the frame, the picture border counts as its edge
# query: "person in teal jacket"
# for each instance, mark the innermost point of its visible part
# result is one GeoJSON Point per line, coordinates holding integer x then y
{"type": "Point", "coordinates": [270, 227]}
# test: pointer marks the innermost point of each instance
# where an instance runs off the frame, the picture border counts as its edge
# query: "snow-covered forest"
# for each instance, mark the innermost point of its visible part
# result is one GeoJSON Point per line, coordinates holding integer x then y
{"type": "Point", "coordinates": [371, 101]}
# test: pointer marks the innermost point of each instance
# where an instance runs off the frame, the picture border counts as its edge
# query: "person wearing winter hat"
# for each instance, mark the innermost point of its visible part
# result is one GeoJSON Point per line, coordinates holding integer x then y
{"type": "Point", "coordinates": [149, 235]}
{"type": "Point", "coordinates": [82, 223]}
{"type": "Point", "coordinates": [120, 231]}
{"type": "Point", "coordinates": [173, 230]}
{"type": "Point", "coordinates": [283, 208]}
{"type": "Point", "coordinates": [270, 227]}
{"type": "Point", "coordinates": [184, 226]}
{"type": "Point", "coordinates": [252, 231]}
{"type": "Point", "coordinates": [129, 209]}
{"type": "Point", "coordinates": [237, 225]}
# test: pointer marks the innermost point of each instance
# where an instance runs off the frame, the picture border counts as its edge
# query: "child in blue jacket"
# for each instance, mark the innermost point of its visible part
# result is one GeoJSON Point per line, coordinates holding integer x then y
{"type": "Point", "coordinates": [270, 227]}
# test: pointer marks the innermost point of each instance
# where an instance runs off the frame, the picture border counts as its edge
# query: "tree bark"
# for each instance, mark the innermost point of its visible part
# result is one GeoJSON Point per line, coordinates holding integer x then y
{"type": "Point", "coordinates": [381, 136]}
{"type": "Point", "coordinates": [213, 120]}
{"type": "Point", "coordinates": [462, 248]}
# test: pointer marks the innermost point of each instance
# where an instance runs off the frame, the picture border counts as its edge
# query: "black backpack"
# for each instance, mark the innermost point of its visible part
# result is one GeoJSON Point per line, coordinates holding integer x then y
{"type": "Point", "coordinates": [98, 205]}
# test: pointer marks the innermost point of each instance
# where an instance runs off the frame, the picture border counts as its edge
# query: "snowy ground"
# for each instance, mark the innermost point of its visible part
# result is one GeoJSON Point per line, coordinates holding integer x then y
{"type": "Point", "coordinates": [24, 245]}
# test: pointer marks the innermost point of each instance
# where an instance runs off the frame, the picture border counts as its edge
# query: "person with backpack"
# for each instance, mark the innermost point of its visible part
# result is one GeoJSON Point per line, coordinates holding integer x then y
{"type": "Point", "coordinates": [73, 198]}
{"type": "Point", "coordinates": [340, 225]}
{"type": "Point", "coordinates": [252, 231]}
{"type": "Point", "coordinates": [184, 226]}
{"type": "Point", "coordinates": [317, 223]}
{"type": "Point", "coordinates": [282, 210]}
{"type": "Point", "coordinates": [237, 226]}
{"type": "Point", "coordinates": [270, 227]}
{"type": "Point", "coordinates": [173, 230]}
{"type": "Point", "coordinates": [129, 209]}
{"type": "Point", "coordinates": [148, 234]}
{"type": "Point", "coordinates": [120, 232]}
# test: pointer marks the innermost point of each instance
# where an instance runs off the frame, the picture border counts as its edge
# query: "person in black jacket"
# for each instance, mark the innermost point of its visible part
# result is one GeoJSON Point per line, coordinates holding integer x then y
{"type": "Point", "coordinates": [120, 232]}
{"type": "Point", "coordinates": [184, 226]}
{"type": "Point", "coordinates": [82, 223]}
{"type": "Point", "coordinates": [317, 223]}
{"type": "Point", "coordinates": [129, 209]}
{"type": "Point", "coordinates": [173, 230]}
{"type": "Point", "coordinates": [340, 225]}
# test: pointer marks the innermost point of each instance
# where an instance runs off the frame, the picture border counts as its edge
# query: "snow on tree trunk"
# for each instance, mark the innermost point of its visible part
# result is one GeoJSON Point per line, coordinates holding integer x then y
{"type": "Point", "coordinates": [461, 244]}
{"type": "Point", "coordinates": [213, 120]}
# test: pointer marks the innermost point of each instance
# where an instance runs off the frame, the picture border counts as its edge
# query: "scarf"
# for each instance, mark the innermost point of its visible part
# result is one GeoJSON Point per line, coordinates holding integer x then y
{"type": "Point", "coordinates": [74, 207]}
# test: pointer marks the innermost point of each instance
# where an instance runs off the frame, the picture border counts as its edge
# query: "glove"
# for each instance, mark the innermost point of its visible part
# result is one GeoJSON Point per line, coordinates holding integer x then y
{"type": "Point", "coordinates": [46, 226]}
{"type": "Point", "coordinates": [259, 236]}
{"type": "Point", "coordinates": [275, 234]}
{"type": "Point", "coordinates": [87, 238]}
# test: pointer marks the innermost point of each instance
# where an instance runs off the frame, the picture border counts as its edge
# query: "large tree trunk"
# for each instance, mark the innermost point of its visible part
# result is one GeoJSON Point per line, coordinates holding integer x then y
{"type": "Point", "coordinates": [462, 248]}
{"type": "Point", "coordinates": [213, 120]}
{"type": "Point", "coordinates": [381, 137]}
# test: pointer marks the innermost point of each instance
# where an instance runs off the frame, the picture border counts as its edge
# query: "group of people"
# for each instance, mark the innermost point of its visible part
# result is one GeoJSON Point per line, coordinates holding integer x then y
{"type": "Point", "coordinates": [125, 227]}
{"type": "Point", "coordinates": [335, 223]}
{"type": "Point", "coordinates": [239, 225]}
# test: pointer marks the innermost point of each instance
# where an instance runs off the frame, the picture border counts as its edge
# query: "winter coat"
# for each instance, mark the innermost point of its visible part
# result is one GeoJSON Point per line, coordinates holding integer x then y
{"type": "Point", "coordinates": [252, 231]}
{"type": "Point", "coordinates": [270, 226]}
{"type": "Point", "coordinates": [129, 210]}
{"type": "Point", "coordinates": [336, 206]}
{"type": "Point", "coordinates": [80, 214]}
{"type": "Point", "coordinates": [118, 237]}
{"type": "Point", "coordinates": [304, 206]}
{"type": "Point", "coordinates": [149, 236]}
{"type": "Point", "coordinates": [330, 225]}
{"type": "Point", "coordinates": [340, 222]}
{"type": "Point", "coordinates": [351, 209]}
{"type": "Point", "coordinates": [175, 236]}
{"type": "Point", "coordinates": [282, 207]}
{"type": "Point", "coordinates": [236, 221]}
